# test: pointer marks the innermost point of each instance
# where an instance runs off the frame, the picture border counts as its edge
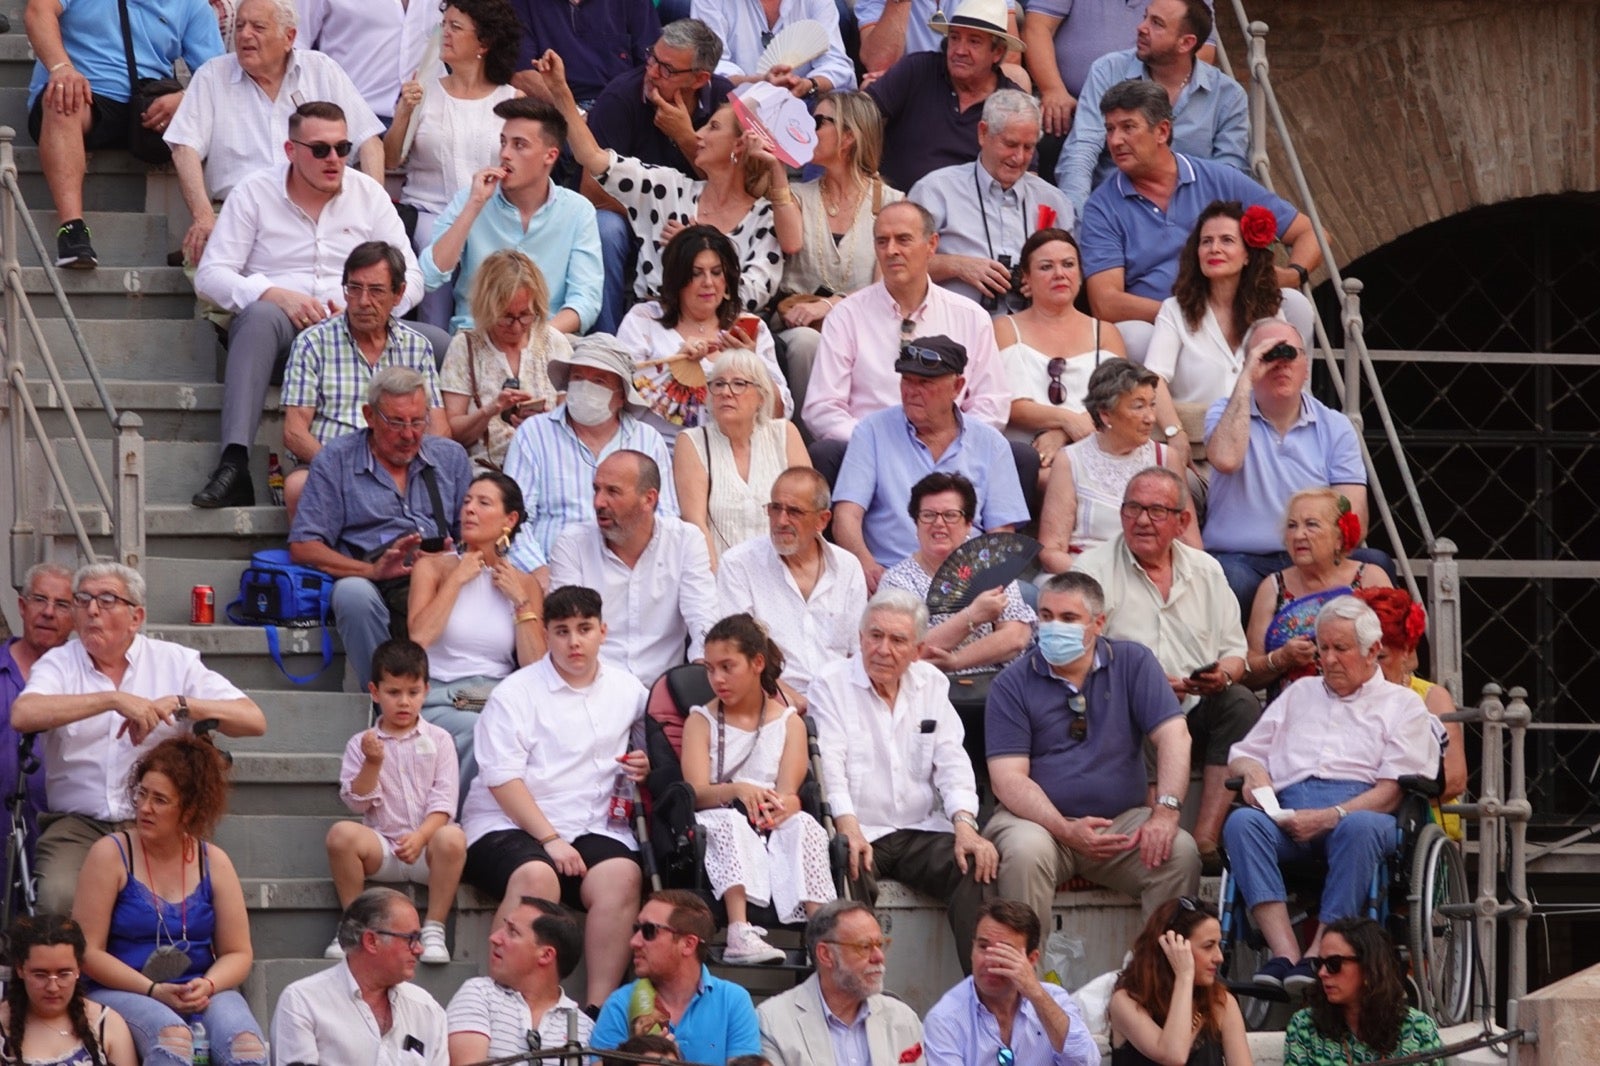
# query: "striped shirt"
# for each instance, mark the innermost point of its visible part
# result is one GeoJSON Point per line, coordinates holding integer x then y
{"type": "Point", "coordinates": [327, 373]}
{"type": "Point", "coordinates": [419, 777]}
{"type": "Point", "coordinates": [556, 473]}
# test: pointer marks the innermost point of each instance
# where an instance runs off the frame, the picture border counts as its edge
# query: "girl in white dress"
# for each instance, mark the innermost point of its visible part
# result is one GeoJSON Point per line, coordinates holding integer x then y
{"type": "Point", "coordinates": [747, 748]}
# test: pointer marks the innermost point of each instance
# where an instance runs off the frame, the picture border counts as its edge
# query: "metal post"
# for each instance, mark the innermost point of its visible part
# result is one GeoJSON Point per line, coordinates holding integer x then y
{"type": "Point", "coordinates": [21, 537]}
{"type": "Point", "coordinates": [1444, 611]}
{"type": "Point", "coordinates": [127, 473]}
{"type": "Point", "coordinates": [1519, 810]}
{"type": "Point", "coordinates": [1352, 351]}
{"type": "Point", "coordinates": [1487, 902]}
{"type": "Point", "coordinates": [1260, 166]}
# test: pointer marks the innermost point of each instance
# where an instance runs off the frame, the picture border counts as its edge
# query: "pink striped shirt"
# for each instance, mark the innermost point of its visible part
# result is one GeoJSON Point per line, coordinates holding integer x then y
{"type": "Point", "coordinates": [419, 776]}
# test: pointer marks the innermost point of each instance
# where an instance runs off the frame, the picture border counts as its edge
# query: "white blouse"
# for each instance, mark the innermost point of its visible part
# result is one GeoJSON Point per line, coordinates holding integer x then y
{"type": "Point", "coordinates": [1199, 365]}
{"type": "Point", "coordinates": [455, 139]}
{"type": "Point", "coordinates": [737, 506]}
{"type": "Point", "coordinates": [841, 266]}
{"type": "Point", "coordinates": [1028, 373]}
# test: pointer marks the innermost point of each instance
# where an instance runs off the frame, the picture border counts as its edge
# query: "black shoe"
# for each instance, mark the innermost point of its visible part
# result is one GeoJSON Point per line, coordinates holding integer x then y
{"type": "Point", "coordinates": [230, 486]}
{"type": "Point", "coordinates": [73, 249]}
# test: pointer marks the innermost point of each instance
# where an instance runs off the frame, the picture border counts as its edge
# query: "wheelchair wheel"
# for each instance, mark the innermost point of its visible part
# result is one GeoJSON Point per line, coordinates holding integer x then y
{"type": "Point", "coordinates": [1441, 931]}
{"type": "Point", "coordinates": [1246, 955]}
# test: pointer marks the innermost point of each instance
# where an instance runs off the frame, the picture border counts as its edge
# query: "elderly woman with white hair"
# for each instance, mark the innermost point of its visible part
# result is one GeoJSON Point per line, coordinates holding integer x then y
{"type": "Point", "coordinates": [724, 476]}
{"type": "Point", "coordinates": [1376, 733]}
{"type": "Point", "coordinates": [1083, 499]}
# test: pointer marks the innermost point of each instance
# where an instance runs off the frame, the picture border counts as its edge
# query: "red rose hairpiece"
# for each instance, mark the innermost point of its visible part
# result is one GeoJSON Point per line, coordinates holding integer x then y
{"type": "Point", "coordinates": [1258, 227]}
{"type": "Point", "coordinates": [1349, 525]}
{"type": "Point", "coordinates": [1416, 623]}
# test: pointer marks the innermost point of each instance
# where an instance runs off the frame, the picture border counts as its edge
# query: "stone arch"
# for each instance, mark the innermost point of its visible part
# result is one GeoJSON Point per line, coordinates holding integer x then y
{"type": "Point", "coordinates": [1405, 112]}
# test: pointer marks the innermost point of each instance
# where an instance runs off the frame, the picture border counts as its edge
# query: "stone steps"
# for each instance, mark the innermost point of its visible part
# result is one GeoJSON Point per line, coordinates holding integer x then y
{"type": "Point", "coordinates": [239, 653]}
{"type": "Point", "coordinates": [174, 469]}
{"type": "Point", "coordinates": [146, 351]}
{"type": "Point", "coordinates": [120, 238]}
{"type": "Point", "coordinates": [115, 292]}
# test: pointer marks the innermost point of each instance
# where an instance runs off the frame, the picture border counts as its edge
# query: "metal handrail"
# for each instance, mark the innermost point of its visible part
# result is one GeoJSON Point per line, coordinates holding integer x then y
{"type": "Point", "coordinates": [126, 504]}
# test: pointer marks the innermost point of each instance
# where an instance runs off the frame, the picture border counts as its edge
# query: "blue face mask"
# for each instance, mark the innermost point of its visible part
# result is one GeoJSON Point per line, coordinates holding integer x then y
{"type": "Point", "coordinates": [1061, 642]}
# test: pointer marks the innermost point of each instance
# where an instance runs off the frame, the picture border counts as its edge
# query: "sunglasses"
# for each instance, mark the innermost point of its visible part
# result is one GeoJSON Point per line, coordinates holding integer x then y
{"type": "Point", "coordinates": [1332, 963]}
{"type": "Point", "coordinates": [1079, 729]}
{"type": "Point", "coordinates": [1192, 904]}
{"type": "Point", "coordinates": [926, 356]}
{"type": "Point", "coordinates": [650, 930]}
{"type": "Point", "coordinates": [1058, 391]}
{"type": "Point", "coordinates": [1005, 1057]}
{"type": "Point", "coordinates": [320, 150]}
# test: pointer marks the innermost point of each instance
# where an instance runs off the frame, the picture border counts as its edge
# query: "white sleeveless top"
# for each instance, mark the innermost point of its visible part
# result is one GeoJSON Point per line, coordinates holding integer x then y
{"type": "Point", "coordinates": [738, 506]}
{"type": "Point", "coordinates": [1027, 372]}
{"type": "Point", "coordinates": [752, 757]}
{"type": "Point", "coordinates": [1100, 480]}
{"type": "Point", "coordinates": [480, 636]}
{"type": "Point", "coordinates": [455, 139]}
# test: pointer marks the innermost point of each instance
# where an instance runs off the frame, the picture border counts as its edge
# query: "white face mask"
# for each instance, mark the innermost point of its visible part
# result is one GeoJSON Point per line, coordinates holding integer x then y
{"type": "Point", "coordinates": [588, 403]}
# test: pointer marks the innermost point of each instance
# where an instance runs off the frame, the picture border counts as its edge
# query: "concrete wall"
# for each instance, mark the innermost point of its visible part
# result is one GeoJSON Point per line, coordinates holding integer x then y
{"type": "Point", "coordinates": [1405, 112]}
{"type": "Point", "coordinates": [1564, 1016]}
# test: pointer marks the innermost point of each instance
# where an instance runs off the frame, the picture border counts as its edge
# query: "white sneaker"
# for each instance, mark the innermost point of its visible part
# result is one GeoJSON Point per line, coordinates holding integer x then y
{"type": "Point", "coordinates": [334, 950]}
{"type": "Point", "coordinates": [434, 950]}
{"type": "Point", "coordinates": [746, 946]}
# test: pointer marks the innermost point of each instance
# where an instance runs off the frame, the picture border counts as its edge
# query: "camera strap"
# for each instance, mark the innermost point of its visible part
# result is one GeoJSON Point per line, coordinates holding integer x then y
{"type": "Point", "coordinates": [983, 210]}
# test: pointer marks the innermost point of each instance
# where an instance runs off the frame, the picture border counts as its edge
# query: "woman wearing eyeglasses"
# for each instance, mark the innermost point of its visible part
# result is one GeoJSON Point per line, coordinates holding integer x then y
{"type": "Point", "coordinates": [496, 375]}
{"type": "Point", "coordinates": [676, 337]}
{"type": "Point", "coordinates": [1050, 349]}
{"type": "Point", "coordinates": [724, 477]}
{"type": "Point", "coordinates": [456, 130]}
{"type": "Point", "coordinates": [45, 1019]}
{"type": "Point", "coordinates": [1357, 1012]}
{"type": "Point", "coordinates": [998, 625]}
{"type": "Point", "coordinates": [1083, 502]}
{"type": "Point", "coordinates": [1169, 1007]}
{"type": "Point", "coordinates": [163, 916]}
{"type": "Point", "coordinates": [745, 757]}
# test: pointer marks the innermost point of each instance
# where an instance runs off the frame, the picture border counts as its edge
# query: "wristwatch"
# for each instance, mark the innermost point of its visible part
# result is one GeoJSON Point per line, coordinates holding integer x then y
{"type": "Point", "coordinates": [1169, 801]}
{"type": "Point", "coordinates": [1338, 808]}
{"type": "Point", "coordinates": [182, 714]}
{"type": "Point", "coordinates": [1300, 272]}
{"type": "Point", "coordinates": [1170, 431]}
{"type": "Point", "coordinates": [963, 818]}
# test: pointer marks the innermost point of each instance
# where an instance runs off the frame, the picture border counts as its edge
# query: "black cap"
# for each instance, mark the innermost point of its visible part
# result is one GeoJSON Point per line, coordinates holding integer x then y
{"type": "Point", "coordinates": [931, 357]}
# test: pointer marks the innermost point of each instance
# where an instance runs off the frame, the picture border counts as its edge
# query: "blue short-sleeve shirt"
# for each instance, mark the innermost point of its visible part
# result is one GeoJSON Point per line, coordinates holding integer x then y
{"type": "Point", "coordinates": [719, 1023]}
{"type": "Point", "coordinates": [1121, 228]}
{"type": "Point", "coordinates": [1102, 775]}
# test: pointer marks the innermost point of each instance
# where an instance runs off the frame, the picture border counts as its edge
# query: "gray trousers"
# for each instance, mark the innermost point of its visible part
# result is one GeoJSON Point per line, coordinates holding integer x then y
{"type": "Point", "coordinates": [64, 843]}
{"type": "Point", "coordinates": [926, 861]}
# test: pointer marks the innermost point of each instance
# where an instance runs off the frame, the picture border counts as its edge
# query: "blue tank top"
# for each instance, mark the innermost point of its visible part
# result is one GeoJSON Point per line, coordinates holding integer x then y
{"type": "Point", "coordinates": [141, 921]}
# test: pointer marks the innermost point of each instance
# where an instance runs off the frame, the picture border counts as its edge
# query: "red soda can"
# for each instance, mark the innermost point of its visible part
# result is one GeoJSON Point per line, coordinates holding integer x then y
{"type": "Point", "coordinates": [202, 606]}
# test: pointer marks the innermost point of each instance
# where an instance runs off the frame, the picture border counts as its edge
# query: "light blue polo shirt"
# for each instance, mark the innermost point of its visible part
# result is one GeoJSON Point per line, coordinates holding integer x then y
{"type": "Point", "coordinates": [719, 1023]}
{"type": "Point", "coordinates": [1120, 228]}
{"type": "Point", "coordinates": [562, 238]}
{"type": "Point", "coordinates": [885, 459]}
{"type": "Point", "coordinates": [1244, 509]}
{"type": "Point", "coordinates": [163, 30]}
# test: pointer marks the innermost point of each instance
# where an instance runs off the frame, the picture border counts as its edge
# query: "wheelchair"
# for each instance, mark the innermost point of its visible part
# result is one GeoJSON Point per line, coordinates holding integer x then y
{"type": "Point", "coordinates": [1419, 894]}
{"type": "Point", "coordinates": [670, 840]}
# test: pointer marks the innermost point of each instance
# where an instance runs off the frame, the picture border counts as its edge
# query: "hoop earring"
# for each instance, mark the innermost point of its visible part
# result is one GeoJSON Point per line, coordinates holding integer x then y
{"type": "Point", "coordinates": [502, 547]}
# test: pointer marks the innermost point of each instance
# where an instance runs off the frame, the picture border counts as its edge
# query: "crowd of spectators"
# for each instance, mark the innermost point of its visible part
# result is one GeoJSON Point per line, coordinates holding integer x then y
{"type": "Point", "coordinates": [660, 398]}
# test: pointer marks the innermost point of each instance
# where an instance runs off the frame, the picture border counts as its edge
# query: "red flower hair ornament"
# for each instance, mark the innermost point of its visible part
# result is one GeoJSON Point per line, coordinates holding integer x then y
{"type": "Point", "coordinates": [1349, 526]}
{"type": "Point", "coordinates": [1416, 623]}
{"type": "Point", "coordinates": [1258, 227]}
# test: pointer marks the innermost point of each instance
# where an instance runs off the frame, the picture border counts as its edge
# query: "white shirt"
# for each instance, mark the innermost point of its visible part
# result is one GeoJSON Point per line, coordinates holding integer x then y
{"type": "Point", "coordinates": [1380, 732]}
{"type": "Point", "coordinates": [238, 130]}
{"type": "Point", "coordinates": [378, 42]}
{"type": "Point", "coordinates": [263, 240]}
{"type": "Point", "coordinates": [502, 1015]}
{"type": "Point", "coordinates": [322, 1018]}
{"type": "Point", "coordinates": [1199, 366]}
{"type": "Point", "coordinates": [86, 763]}
{"type": "Point", "coordinates": [812, 632]}
{"type": "Point", "coordinates": [652, 607]}
{"type": "Point", "coordinates": [877, 762]}
{"type": "Point", "coordinates": [562, 742]}
{"type": "Point", "coordinates": [741, 24]}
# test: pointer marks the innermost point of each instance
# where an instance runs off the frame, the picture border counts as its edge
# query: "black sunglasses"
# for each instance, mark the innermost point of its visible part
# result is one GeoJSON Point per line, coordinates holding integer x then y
{"type": "Point", "coordinates": [1332, 963]}
{"type": "Point", "coordinates": [649, 930]}
{"type": "Point", "coordinates": [1079, 729]}
{"type": "Point", "coordinates": [1058, 391]}
{"type": "Point", "coordinates": [320, 150]}
{"type": "Point", "coordinates": [1192, 904]}
{"type": "Point", "coordinates": [926, 356]}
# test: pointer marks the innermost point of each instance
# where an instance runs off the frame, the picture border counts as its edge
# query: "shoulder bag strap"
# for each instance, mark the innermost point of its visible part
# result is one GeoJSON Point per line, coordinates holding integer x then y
{"type": "Point", "coordinates": [472, 386]}
{"type": "Point", "coordinates": [430, 478]}
{"type": "Point", "coordinates": [127, 48]}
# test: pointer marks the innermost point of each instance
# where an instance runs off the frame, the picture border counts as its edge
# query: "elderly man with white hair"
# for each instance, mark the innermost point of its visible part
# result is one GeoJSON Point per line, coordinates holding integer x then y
{"type": "Point", "coordinates": [987, 209]}
{"type": "Point", "coordinates": [102, 701]}
{"type": "Point", "coordinates": [898, 778]}
{"type": "Point", "coordinates": [231, 125]}
{"type": "Point", "coordinates": [1332, 750]}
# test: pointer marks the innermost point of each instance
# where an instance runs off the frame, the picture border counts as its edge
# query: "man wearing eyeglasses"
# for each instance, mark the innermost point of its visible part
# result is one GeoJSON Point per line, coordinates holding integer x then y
{"type": "Point", "coordinates": [365, 1010]}
{"type": "Point", "coordinates": [807, 592]}
{"type": "Point", "coordinates": [45, 605]}
{"type": "Point", "coordinates": [102, 701]}
{"type": "Point", "coordinates": [1175, 600]}
{"type": "Point", "coordinates": [325, 383]}
{"type": "Point", "coordinates": [1065, 727]}
{"type": "Point", "coordinates": [839, 1015]}
{"type": "Point", "coordinates": [275, 261]}
{"type": "Point", "coordinates": [373, 500]}
{"type": "Point", "coordinates": [712, 1020]}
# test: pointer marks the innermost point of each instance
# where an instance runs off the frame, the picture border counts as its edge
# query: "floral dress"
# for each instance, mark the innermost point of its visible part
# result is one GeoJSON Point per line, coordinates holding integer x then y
{"type": "Point", "coordinates": [1303, 1045]}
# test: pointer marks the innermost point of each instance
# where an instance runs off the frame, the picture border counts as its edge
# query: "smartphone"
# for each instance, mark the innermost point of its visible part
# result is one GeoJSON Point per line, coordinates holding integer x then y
{"type": "Point", "coordinates": [431, 544]}
{"type": "Point", "coordinates": [749, 325]}
{"type": "Point", "coordinates": [1199, 671]}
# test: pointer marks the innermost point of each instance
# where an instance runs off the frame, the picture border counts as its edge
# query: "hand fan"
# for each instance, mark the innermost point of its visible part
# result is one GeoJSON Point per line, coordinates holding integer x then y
{"type": "Point", "coordinates": [797, 43]}
{"type": "Point", "coordinates": [426, 73]}
{"type": "Point", "coordinates": [988, 561]}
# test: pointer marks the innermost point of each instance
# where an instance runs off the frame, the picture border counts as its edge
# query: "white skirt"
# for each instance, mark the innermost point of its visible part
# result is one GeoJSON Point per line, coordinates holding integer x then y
{"type": "Point", "coordinates": [786, 869]}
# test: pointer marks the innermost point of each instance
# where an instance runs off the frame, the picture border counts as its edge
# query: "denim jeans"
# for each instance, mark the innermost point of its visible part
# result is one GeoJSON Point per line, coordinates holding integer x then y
{"type": "Point", "coordinates": [1354, 848]}
{"type": "Point", "coordinates": [616, 249]}
{"type": "Point", "coordinates": [225, 1017]}
{"type": "Point", "coordinates": [439, 708]}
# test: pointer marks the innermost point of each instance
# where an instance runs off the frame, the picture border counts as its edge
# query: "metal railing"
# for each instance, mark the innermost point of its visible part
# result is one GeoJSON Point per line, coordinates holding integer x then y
{"type": "Point", "coordinates": [125, 503]}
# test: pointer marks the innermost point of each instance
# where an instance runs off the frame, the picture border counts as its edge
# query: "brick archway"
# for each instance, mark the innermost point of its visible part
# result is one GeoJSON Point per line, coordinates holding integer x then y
{"type": "Point", "coordinates": [1405, 112]}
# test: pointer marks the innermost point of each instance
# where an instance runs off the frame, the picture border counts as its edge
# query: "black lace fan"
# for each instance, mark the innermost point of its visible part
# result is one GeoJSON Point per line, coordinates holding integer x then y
{"type": "Point", "coordinates": [985, 562]}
